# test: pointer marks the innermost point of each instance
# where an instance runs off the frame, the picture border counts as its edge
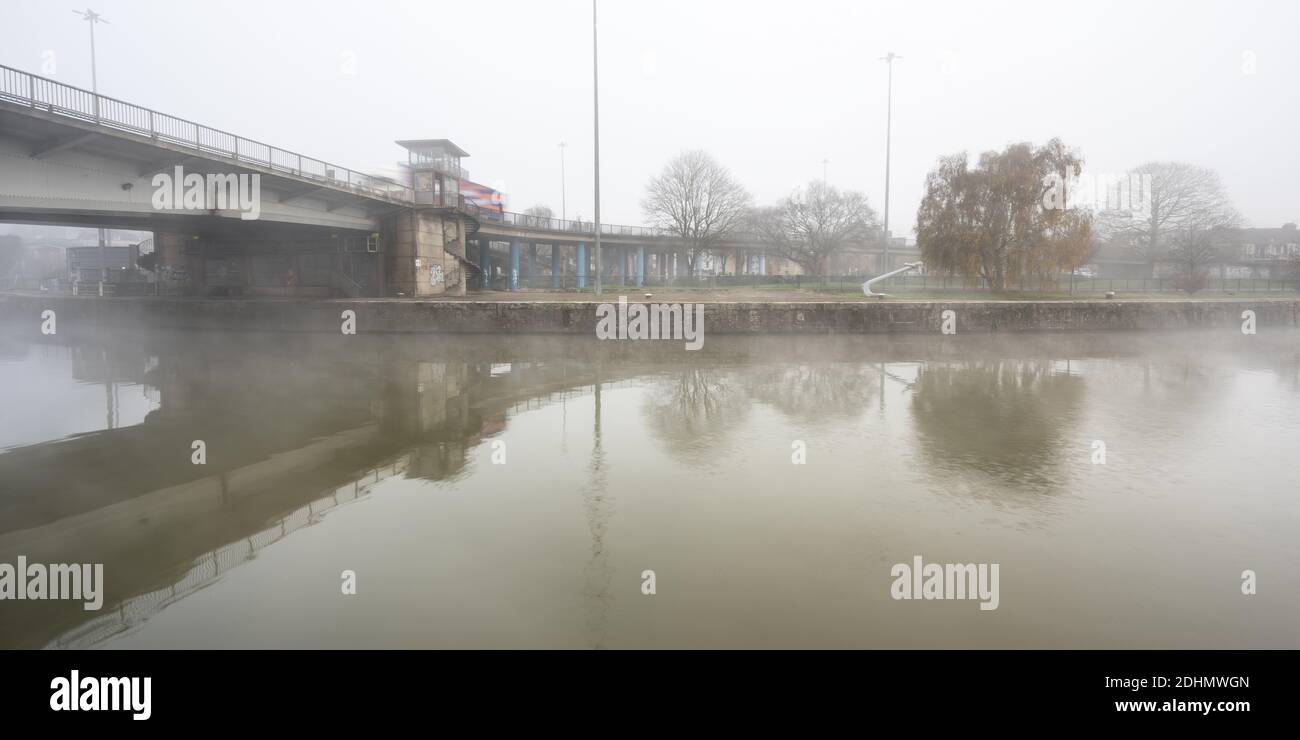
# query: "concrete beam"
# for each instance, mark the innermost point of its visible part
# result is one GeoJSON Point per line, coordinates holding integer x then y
{"type": "Point", "coordinates": [58, 145]}
{"type": "Point", "coordinates": [303, 193]}
{"type": "Point", "coordinates": [166, 165]}
{"type": "Point", "coordinates": [342, 203]}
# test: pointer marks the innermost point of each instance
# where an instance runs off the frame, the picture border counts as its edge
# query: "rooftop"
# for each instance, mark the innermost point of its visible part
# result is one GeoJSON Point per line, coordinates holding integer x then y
{"type": "Point", "coordinates": [444, 146]}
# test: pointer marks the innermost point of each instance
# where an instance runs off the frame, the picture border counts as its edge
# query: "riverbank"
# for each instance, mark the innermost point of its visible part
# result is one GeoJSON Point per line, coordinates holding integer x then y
{"type": "Point", "coordinates": [852, 293]}
{"type": "Point", "coordinates": [579, 317]}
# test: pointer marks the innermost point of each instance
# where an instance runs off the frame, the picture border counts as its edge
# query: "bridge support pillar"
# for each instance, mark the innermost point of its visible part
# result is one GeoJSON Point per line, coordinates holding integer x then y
{"type": "Point", "coordinates": [485, 261]}
{"type": "Point", "coordinates": [640, 267]}
{"type": "Point", "coordinates": [622, 265]}
{"type": "Point", "coordinates": [532, 265]}
{"type": "Point", "coordinates": [557, 267]}
{"type": "Point", "coordinates": [582, 265]}
{"type": "Point", "coordinates": [180, 262]}
{"type": "Point", "coordinates": [514, 264]}
{"type": "Point", "coordinates": [421, 254]}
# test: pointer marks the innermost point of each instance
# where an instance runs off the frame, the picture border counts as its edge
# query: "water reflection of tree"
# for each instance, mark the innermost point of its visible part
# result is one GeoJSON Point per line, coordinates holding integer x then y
{"type": "Point", "coordinates": [1005, 419]}
{"type": "Point", "coordinates": [812, 392]}
{"type": "Point", "coordinates": [694, 409]}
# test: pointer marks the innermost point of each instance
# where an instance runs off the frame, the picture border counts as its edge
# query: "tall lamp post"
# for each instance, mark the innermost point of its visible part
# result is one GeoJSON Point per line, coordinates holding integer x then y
{"type": "Point", "coordinates": [564, 201]}
{"type": "Point", "coordinates": [889, 120]}
{"type": "Point", "coordinates": [91, 17]}
{"type": "Point", "coordinates": [595, 78]}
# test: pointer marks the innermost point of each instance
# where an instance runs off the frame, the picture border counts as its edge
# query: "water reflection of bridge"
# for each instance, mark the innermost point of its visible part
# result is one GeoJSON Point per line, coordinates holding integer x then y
{"type": "Point", "coordinates": [130, 496]}
{"type": "Point", "coordinates": [299, 426]}
{"type": "Point", "coordinates": [208, 568]}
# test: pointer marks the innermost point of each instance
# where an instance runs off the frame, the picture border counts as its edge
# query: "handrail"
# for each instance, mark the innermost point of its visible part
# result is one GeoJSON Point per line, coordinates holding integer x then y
{"type": "Point", "coordinates": [866, 287]}
{"type": "Point", "coordinates": [546, 223]}
{"type": "Point", "coordinates": [41, 93]}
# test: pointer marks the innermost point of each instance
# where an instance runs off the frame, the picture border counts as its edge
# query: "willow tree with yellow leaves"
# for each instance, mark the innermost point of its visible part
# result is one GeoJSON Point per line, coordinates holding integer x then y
{"type": "Point", "coordinates": [1000, 220]}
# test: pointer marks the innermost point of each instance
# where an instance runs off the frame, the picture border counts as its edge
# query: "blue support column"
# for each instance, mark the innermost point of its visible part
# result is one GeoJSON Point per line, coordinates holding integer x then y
{"type": "Point", "coordinates": [557, 267]}
{"type": "Point", "coordinates": [532, 265]}
{"type": "Point", "coordinates": [514, 264]}
{"type": "Point", "coordinates": [640, 267]}
{"type": "Point", "coordinates": [622, 265]}
{"type": "Point", "coordinates": [485, 261]}
{"type": "Point", "coordinates": [582, 265]}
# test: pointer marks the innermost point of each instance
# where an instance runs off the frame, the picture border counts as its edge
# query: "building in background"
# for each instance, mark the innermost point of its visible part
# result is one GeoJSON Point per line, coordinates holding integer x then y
{"type": "Point", "coordinates": [1250, 253]}
{"type": "Point", "coordinates": [121, 260]}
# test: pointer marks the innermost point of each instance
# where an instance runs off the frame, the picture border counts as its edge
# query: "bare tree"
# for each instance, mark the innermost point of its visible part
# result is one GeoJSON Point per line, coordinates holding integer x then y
{"type": "Point", "coordinates": [697, 199]}
{"type": "Point", "coordinates": [1192, 253]}
{"type": "Point", "coordinates": [1292, 270]}
{"type": "Point", "coordinates": [812, 224]}
{"type": "Point", "coordinates": [1184, 200]}
{"type": "Point", "coordinates": [539, 214]}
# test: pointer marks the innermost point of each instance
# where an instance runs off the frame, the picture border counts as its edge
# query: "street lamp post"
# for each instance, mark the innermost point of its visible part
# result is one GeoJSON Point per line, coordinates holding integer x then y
{"type": "Point", "coordinates": [889, 120]}
{"type": "Point", "coordinates": [91, 17]}
{"type": "Point", "coordinates": [564, 202]}
{"type": "Point", "coordinates": [595, 78]}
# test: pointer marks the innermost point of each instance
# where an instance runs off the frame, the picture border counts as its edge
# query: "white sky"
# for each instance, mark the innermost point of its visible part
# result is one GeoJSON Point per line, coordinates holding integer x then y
{"type": "Point", "coordinates": [769, 88]}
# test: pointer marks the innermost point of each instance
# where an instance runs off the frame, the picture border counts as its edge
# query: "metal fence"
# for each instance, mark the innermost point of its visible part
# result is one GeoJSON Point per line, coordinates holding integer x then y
{"type": "Point", "coordinates": [561, 226]}
{"type": "Point", "coordinates": [544, 281]}
{"type": "Point", "coordinates": [42, 94]}
{"type": "Point", "coordinates": [1074, 284]}
{"type": "Point", "coordinates": [48, 96]}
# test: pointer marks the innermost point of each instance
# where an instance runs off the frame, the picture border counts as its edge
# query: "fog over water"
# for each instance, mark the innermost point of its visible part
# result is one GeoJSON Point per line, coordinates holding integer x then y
{"type": "Point", "coordinates": [376, 455]}
{"type": "Point", "coordinates": [771, 88]}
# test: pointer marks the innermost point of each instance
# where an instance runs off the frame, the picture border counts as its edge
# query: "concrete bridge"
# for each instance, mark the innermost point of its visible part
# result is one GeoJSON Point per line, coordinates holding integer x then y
{"type": "Point", "coordinates": [71, 157]}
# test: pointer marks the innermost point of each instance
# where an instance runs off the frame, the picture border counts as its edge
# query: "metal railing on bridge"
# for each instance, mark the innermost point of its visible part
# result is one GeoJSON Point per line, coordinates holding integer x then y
{"type": "Point", "coordinates": [56, 98]}
{"type": "Point", "coordinates": [42, 94]}
{"type": "Point", "coordinates": [562, 226]}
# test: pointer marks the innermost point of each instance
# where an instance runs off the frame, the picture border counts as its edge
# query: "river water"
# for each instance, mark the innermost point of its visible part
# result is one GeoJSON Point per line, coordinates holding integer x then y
{"type": "Point", "coordinates": [513, 492]}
